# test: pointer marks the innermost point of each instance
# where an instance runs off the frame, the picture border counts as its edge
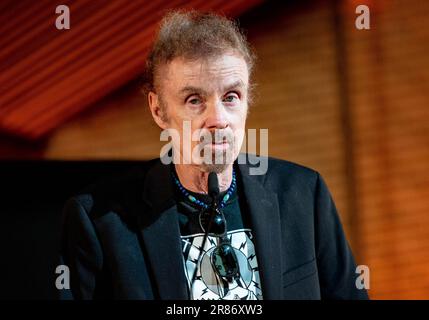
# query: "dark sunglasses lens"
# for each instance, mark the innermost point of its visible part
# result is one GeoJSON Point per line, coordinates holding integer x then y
{"type": "Point", "coordinates": [225, 261]}
{"type": "Point", "coordinates": [218, 224]}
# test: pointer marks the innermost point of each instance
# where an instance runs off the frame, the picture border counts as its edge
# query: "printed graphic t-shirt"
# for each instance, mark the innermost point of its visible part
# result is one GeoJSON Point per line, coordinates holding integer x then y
{"type": "Point", "coordinates": [208, 285]}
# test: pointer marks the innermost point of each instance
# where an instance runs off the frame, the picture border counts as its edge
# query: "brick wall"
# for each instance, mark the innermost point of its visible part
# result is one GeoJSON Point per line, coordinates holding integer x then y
{"type": "Point", "coordinates": [389, 95]}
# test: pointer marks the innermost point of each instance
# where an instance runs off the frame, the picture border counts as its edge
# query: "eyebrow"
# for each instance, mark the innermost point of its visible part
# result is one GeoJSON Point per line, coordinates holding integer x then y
{"type": "Point", "coordinates": [236, 84]}
{"type": "Point", "coordinates": [187, 89]}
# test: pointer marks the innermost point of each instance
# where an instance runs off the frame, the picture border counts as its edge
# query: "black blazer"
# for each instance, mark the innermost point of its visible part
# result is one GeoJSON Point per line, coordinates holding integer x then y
{"type": "Point", "coordinates": [121, 238]}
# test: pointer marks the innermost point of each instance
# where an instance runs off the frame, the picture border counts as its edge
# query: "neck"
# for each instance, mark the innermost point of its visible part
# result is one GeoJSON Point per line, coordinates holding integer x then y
{"type": "Point", "coordinates": [192, 178]}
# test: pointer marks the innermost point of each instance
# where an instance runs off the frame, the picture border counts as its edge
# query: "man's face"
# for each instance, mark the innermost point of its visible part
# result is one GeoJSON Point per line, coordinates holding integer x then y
{"type": "Point", "coordinates": [209, 94]}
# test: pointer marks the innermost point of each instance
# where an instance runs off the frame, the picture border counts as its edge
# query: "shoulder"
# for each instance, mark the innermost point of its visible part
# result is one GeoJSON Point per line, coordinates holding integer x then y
{"type": "Point", "coordinates": [285, 168]}
{"type": "Point", "coordinates": [118, 191]}
{"type": "Point", "coordinates": [284, 174]}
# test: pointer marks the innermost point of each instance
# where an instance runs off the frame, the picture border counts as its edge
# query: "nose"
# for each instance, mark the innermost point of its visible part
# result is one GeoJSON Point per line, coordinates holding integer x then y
{"type": "Point", "coordinates": [216, 116]}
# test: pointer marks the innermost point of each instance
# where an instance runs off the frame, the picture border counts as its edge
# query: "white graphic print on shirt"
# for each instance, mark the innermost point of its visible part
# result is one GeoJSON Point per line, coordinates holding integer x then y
{"type": "Point", "coordinates": [208, 285]}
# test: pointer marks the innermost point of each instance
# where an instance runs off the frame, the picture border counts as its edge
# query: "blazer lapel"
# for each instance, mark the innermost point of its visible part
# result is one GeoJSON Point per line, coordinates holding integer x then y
{"type": "Point", "coordinates": [265, 218]}
{"type": "Point", "coordinates": [161, 234]}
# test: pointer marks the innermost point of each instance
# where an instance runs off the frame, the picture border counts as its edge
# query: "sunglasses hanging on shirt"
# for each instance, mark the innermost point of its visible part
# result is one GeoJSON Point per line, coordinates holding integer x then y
{"type": "Point", "coordinates": [213, 223]}
{"type": "Point", "coordinates": [223, 257]}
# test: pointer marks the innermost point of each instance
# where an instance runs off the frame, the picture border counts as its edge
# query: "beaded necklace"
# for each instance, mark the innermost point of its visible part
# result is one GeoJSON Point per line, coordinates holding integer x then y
{"type": "Point", "coordinates": [200, 203]}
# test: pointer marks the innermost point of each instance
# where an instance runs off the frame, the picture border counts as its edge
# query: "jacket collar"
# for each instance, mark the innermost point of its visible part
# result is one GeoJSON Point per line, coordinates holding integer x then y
{"type": "Point", "coordinates": [265, 220]}
{"type": "Point", "coordinates": [161, 234]}
{"type": "Point", "coordinates": [164, 248]}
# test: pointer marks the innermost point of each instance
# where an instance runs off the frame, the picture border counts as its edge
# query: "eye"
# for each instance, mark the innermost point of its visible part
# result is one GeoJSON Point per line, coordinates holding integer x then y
{"type": "Point", "coordinates": [193, 100]}
{"type": "Point", "coordinates": [231, 97]}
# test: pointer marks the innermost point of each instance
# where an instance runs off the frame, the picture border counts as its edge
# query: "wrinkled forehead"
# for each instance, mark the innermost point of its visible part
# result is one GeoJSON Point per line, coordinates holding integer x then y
{"type": "Point", "coordinates": [209, 74]}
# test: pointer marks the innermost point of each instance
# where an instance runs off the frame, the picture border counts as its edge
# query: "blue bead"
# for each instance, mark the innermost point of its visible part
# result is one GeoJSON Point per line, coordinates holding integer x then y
{"type": "Point", "coordinates": [201, 203]}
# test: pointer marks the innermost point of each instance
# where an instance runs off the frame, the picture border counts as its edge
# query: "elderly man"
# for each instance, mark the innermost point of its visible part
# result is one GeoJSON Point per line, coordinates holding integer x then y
{"type": "Point", "coordinates": [158, 232]}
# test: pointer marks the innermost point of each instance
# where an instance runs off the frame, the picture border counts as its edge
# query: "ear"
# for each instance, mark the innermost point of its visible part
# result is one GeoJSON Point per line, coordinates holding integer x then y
{"type": "Point", "coordinates": [156, 110]}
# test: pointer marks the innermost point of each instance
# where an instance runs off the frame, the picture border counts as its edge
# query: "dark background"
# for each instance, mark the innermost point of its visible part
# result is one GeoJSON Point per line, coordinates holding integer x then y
{"type": "Point", "coordinates": [33, 194]}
